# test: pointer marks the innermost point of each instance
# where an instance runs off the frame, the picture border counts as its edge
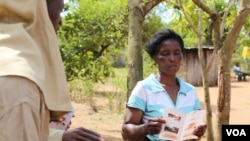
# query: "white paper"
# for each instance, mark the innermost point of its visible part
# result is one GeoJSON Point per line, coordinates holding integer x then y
{"type": "Point", "coordinates": [180, 126]}
{"type": "Point", "coordinates": [63, 124]}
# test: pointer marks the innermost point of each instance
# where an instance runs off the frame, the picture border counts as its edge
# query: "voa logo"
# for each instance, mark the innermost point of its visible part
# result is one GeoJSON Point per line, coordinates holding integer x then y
{"type": "Point", "coordinates": [236, 132]}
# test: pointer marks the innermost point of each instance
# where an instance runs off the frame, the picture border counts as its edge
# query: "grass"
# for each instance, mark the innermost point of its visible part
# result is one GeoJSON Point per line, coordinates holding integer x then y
{"type": "Point", "coordinates": [113, 92]}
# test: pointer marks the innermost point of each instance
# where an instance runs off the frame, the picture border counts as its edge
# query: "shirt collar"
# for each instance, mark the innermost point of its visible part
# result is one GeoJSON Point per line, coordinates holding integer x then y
{"type": "Point", "coordinates": [154, 85]}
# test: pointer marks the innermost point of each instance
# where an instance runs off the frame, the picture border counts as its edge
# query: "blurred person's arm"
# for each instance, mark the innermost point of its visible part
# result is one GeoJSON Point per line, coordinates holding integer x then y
{"type": "Point", "coordinates": [79, 134]}
{"type": "Point", "coordinates": [55, 134]}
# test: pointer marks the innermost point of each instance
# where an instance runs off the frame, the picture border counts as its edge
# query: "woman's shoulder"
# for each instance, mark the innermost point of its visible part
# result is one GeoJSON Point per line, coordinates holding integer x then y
{"type": "Point", "coordinates": [148, 80]}
{"type": "Point", "coordinates": [149, 83]}
{"type": "Point", "coordinates": [185, 84]}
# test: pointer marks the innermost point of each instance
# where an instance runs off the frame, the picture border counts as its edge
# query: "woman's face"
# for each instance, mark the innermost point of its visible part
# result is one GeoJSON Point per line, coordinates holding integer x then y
{"type": "Point", "coordinates": [169, 57]}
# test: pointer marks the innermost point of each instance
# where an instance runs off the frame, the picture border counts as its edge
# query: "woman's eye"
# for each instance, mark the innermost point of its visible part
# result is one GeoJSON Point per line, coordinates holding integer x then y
{"type": "Point", "coordinates": [177, 54]}
{"type": "Point", "coordinates": [165, 54]}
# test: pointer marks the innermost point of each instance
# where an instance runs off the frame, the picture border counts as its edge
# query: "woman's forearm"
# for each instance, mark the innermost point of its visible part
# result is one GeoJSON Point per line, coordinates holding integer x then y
{"type": "Point", "coordinates": [131, 132]}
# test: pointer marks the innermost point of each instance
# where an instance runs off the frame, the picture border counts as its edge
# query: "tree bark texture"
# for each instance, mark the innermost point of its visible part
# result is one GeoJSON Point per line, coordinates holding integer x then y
{"type": "Point", "coordinates": [134, 58]}
{"type": "Point", "coordinates": [137, 11]}
{"type": "Point", "coordinates": [225, 55]}
{"type": "Point", "coordinates": [224, 50]}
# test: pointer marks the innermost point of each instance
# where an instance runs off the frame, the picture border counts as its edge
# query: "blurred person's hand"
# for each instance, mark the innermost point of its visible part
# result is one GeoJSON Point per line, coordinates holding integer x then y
{"type": "Point", "coordinates": [81, 134]}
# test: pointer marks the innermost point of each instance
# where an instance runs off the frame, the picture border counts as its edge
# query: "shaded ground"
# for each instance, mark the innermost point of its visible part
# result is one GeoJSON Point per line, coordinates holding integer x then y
{"type": "Point", "coordinates": [109, 124]}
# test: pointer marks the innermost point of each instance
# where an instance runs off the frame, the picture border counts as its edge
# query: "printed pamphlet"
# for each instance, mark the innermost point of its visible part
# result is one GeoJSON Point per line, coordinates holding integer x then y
{"type": "Point", "coordinates": [180, 126]}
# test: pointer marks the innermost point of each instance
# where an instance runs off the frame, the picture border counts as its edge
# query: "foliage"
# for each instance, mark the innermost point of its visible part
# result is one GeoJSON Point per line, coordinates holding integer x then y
{"type": "Point", "coordinates": [243, 40]}
{"type": "Point", "coordinates": [152, 23]}
{"type": "Point", "coordinates": [113, 90]}
{"type": "Point", "coordinates": [179, 23]}
{"type": "Point", "coordinates": [91, 39]}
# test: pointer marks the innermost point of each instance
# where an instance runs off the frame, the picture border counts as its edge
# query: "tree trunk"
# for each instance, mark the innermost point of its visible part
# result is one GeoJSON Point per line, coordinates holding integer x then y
{"type": "Point", "coordinates": [137, 10]}
{"type": "Point", "coordinates": [224, 51]}
{"type": "Point", "coordinates": [224, 99]}
{"type": "Point", "coordinates": [205, 69]}
{"type": "Point", "coordinates": [135, 22]}
{"type": "Point", "coordinates": [225, 55]}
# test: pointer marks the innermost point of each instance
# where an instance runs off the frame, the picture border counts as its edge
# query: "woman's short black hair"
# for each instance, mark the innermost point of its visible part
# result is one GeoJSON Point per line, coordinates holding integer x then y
{"type": "Point", "coordinates": [152, 47]}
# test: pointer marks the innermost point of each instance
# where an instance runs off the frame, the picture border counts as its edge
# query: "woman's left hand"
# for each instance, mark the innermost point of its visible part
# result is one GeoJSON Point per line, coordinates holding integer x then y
{"type": "Point", "coordinates": [200, 130]}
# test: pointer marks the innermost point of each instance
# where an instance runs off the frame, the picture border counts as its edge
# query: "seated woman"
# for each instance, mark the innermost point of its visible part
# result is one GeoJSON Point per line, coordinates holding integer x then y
{"type": "Point", "coordinates": [239, 73]}
{"type": "Point", "coordinates": [143, 117]}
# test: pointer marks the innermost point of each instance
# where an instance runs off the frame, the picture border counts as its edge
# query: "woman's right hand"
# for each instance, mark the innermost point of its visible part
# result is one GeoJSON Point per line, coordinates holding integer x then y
{"type": "Point", "coordinates": [154, 126]}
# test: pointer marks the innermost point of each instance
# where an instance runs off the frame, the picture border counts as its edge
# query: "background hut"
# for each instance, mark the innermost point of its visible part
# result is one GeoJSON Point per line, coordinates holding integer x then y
{"type": "Point", "coordinates": [191, 72]}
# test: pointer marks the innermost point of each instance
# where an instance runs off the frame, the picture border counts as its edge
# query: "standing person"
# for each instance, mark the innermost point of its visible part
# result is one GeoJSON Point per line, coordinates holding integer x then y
{"type": "Point", "coordinates": [32, 78]}
{"type": "Point", "coordinates": [152, 95]}
{"type": "Point", "coordinates": [239, 73]}
{"type": "Point", "coordinates": [78, 134]}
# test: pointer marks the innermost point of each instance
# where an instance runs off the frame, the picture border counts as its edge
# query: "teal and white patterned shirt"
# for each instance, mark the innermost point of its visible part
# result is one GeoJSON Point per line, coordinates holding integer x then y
{"type": "Point", "coordinates": [150, 97]}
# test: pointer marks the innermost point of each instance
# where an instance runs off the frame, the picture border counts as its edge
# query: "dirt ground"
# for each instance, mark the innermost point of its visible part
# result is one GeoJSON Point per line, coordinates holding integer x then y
{"type": "Point", "coordinates": [109, 123]}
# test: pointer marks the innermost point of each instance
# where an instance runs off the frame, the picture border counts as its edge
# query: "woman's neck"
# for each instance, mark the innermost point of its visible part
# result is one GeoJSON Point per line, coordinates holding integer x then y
{"type": "Point", "coordinates": [167, 80]}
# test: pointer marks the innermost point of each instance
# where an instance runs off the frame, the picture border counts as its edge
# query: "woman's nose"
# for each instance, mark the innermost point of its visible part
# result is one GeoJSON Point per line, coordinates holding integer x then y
{"type": "Point", "coordinates": [171, 57]}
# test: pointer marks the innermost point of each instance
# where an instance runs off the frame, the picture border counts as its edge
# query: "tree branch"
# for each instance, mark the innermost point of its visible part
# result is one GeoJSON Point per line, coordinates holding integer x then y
{"type": "Point", "coordinates": [235, 31]}
{"type": "Point", "coordinates": [188, 20]}
{"type": "Point", "coordinates": [215, 16]}
{"type": "Point", "coordinates": [146, 7]}
{"type": "Point", "coordinates": [224, 18]}
{"type": "Point", "coordinates": [204, 7]}
{"type": "Point", "coordinates": [175, 4]}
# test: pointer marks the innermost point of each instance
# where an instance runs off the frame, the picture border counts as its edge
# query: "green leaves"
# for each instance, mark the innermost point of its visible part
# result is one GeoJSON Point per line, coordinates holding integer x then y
{"type": "Point", "coordinates": [90, 37]}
